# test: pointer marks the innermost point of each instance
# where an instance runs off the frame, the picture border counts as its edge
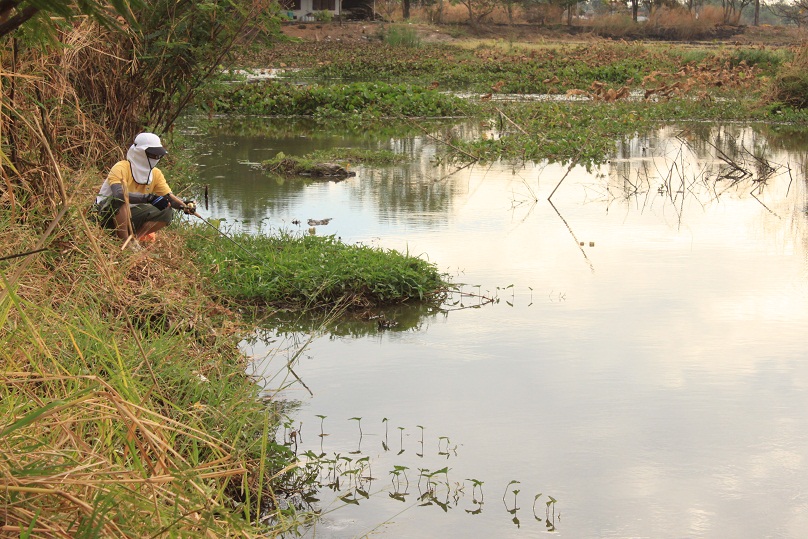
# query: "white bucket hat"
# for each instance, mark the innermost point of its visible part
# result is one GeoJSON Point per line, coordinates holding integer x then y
{"type": "Point", "coordinates": [150, 143]}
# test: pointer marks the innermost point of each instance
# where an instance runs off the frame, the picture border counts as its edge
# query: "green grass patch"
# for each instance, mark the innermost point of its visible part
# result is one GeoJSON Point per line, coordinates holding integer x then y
{"type": "Point", "coordinates": [331, 162]}
{"type": "Point", "coordinates": [402, 36]}
{"type": "Point", "coordinates": [313, 272]}
{"type": "Point", "coordinates": [527, 68]}
{"type": "Point", "coordinates": [356, 156]}
{"type": "Point", "coordinates": [334, 100]}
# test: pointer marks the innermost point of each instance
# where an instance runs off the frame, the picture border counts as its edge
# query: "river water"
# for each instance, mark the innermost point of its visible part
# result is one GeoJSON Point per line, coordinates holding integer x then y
{"type": "Point", "coordinates": [641, 360]}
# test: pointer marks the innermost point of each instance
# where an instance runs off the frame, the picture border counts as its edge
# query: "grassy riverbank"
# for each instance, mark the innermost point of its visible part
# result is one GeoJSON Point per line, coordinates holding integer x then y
{"type": "Point", "coordinates": [127, 410]}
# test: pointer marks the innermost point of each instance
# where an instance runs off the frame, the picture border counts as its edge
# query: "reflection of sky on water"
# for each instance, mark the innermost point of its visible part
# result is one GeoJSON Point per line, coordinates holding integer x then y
{"type": "Point", "coordinates": [654, 383]}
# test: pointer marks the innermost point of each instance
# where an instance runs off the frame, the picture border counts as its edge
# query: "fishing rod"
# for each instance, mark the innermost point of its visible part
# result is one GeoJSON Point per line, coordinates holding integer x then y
{"type": "Point", "coordinates": [214, 227]}
{"type": "Point", "coordinates": [24, 254]}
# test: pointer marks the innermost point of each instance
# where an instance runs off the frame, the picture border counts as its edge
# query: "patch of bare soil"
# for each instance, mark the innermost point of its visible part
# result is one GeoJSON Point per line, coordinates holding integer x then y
{"type": "Point", "coordinates": [353, 31]}
{"type": "Point", "coordinates": [368, 31]}
{"type": "Point", "coordinates": [430, 33]}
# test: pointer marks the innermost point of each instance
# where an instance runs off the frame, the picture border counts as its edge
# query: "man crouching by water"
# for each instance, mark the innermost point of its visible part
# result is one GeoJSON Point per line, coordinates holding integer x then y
{"type": "Point", "coordinates": [138, 181]}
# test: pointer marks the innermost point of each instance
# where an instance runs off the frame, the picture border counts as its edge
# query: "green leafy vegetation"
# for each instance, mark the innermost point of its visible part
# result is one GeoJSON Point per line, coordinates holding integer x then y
{"type": "Point", "coordinates": [357, 156]}
{"type": "Point", "coordinates": [523, 68]}
{"type": "Point", "coordinates": [583, 131]}
{"type": "Point", "coordinates": [325, 101]}
{"type": "Point", "coordinates": [330, 162]}
{"type": "Point", "coordinates": [313, 272]}
{"type": "Point", "coordinates": [402, 36]}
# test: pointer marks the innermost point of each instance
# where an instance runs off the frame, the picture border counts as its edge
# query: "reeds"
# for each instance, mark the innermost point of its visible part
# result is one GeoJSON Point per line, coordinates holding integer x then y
{"type": "Point", "coordinates": [125, 408]}
{"type": "Point", "coordinates": [44, 131]}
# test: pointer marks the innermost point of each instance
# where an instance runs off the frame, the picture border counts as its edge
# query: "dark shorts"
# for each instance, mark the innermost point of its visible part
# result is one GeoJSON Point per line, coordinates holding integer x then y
{"type": "Point", "coordinates": [141, 213]}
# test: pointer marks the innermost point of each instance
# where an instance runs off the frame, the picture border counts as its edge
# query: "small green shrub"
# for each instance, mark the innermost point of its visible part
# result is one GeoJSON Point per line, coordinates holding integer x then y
{"type": "Point", "coordinates": [758, 57]}
{"type": "Point", "coordinates": [323, 16]}
{"type": "Point", "coordinates": [790, 87]}
{"type": "Point", "coordinates": [402, 36]}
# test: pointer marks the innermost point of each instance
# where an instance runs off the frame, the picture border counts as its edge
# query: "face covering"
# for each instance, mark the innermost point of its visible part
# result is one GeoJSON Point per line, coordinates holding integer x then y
{"type": "Point", "coordinates": [141, 164]}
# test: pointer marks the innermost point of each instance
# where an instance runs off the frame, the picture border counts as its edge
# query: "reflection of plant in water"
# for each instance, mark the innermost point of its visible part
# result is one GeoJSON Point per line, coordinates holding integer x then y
{"type": "Point", "coordinates": [359, 422]}
{"type": "Point", "coordinates": [476, 484]}
{"type": "Point", "coordinates": [401, 450]}
{"type": "Point", "coordinates": [291, 434]}
{"type": "Point", "coordinates": [700, 166]}
{"type": "Point", "coordinates": [322, 418]}
{"type": "Point", "coordinates": [350, 478]}
{"type": "Point", "coordinates": [444, 451]}
{"type": "Point", "coordinates": [548, 522]}
{"type": "Point", "coordinates": [397, 318]}
{"type": "Point", "coordinates": [455, 300]}
{"type": "Point", "coordinates": [397, 472]}
{"type": "Point", "coordinates": [515, 508]}
{"type": "Point", "coordinates": [478, 503]}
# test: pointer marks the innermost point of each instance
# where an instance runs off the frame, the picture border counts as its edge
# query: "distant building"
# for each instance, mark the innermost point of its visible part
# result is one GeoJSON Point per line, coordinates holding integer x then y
{"type": "Point", "coordinates": [306, 10]}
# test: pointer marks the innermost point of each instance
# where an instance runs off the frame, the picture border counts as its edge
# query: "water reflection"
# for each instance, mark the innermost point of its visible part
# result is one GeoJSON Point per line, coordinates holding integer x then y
{"type": "Point", "coordinates": [398, 318]}
{"type": "Point", "coordinates": [417, 192]}
{"type": "Point", "coordinates": [698, 167]}
{"type": "Point", "coordinates": [352, 479]}
{"type": "Point", "coordinates": [645, 364]}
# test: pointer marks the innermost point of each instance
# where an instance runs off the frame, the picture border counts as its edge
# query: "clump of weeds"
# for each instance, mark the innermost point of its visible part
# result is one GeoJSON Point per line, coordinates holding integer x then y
{"type": "Point", "coordinates": [313, 272]}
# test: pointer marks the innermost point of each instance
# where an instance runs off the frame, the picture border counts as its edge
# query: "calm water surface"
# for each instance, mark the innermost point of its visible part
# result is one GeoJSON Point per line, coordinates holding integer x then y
{"type": "Point", "coordinates": [644, 363]}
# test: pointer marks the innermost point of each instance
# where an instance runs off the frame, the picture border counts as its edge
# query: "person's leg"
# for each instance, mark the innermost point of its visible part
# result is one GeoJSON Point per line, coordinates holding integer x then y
{"type": "Point", "coordinates": [147, 219]}
{"type": "Point", "coordinates": [120, 220]}
{"type": "Point", "coordinates": [149, 227]}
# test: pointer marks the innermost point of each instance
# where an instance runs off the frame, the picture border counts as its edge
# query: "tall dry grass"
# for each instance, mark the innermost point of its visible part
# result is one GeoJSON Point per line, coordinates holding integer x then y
{"type": "Point", "coordinates": [674, 23]}
{"type": "Point", "coordinates": [38, 116]}
{"type": "Point", "coordinates": [124, 407]}
{"type": "Point", "coordinates": [790, 85]}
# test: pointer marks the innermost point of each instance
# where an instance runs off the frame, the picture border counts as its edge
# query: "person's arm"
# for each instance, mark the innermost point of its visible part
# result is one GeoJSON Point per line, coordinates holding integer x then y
{"type": "Point", "coordinates": [161, 186]}
{"type": "Point", "coordinates": [176, 203]}
{"type": "Point", "coordinates": [123, 219]}
{"type": "Point", "coordinates": [140, 198]}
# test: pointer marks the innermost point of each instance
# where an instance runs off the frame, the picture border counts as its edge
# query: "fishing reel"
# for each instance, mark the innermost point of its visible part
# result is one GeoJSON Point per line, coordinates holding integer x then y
{"type": "Point", "coordinates": [189, 207]}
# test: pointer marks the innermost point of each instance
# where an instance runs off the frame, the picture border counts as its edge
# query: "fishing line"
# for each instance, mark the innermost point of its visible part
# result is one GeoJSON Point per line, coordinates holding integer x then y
{"type": "Point", "coordinates": [214, 227]}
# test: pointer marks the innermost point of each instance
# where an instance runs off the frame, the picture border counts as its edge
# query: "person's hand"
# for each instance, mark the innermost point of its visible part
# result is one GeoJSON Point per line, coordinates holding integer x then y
{"type": "Point", "coordinates": [189, 207]}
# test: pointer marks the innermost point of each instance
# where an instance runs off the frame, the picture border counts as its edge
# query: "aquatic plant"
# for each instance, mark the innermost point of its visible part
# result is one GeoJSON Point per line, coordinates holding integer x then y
{"type": "Point", "coordinates": [313, 272]}
{"type": "Point", "coordinates": [583, 132]}
{"type": "Point", "coordinates": [350, 480]}
{"type": "Point", "coordinates": [527, 68]}
{"type": "Point", "coordinates": [374, 99]}
{"type": "Point", "coordinates": [285, 165]}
